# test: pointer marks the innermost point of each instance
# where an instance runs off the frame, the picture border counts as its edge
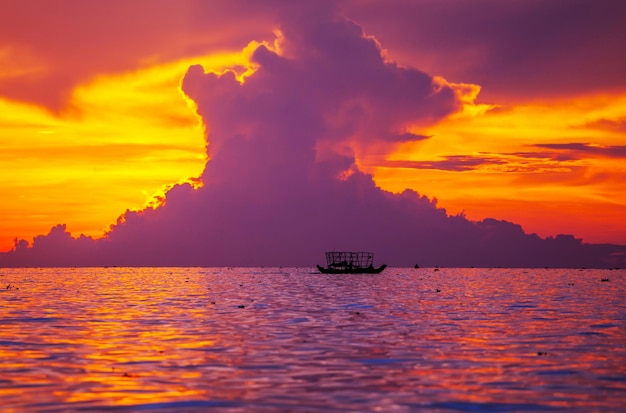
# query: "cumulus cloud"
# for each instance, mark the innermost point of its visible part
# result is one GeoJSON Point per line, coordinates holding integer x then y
{"type": "Point", "coordinates": [281, 185]}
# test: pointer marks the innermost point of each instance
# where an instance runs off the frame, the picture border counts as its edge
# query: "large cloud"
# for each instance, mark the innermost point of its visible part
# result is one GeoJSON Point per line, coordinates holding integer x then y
{"type": "Point", "coordinates": [282, 186]}
{"type": "Point", "coordinates": [521, 48]}
{"type": "Point", "coordinates": [513, 49]}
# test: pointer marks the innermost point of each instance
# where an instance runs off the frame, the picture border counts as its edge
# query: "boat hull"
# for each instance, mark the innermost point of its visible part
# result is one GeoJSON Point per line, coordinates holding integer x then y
{"type": "Point", "coordinates": [355, 270]}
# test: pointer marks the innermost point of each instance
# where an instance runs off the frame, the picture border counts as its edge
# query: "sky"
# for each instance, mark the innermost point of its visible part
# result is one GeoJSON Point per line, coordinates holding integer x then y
{"type": "Point", "coordinates": [189, 126]}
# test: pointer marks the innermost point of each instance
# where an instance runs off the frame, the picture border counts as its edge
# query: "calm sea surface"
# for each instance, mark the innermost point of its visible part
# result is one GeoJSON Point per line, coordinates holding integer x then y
{"type": "Point", "coordinates": [288, 339]}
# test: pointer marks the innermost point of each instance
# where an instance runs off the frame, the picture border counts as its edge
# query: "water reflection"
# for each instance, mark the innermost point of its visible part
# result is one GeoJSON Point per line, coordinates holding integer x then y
{"type": "Point", "coordinates": [187, 339]}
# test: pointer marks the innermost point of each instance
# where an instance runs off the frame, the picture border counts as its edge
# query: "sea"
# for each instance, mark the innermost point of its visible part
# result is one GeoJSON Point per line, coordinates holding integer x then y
{"type": "Point", "coordinates": [295, 340]}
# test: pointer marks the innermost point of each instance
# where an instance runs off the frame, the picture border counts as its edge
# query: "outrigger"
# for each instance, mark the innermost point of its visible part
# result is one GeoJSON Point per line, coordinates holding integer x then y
{"type": "Point", "coordinates": [347, 262]}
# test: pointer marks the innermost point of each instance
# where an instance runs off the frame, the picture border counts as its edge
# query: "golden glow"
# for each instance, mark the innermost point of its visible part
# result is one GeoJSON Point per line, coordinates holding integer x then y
{"type": "Point", "coordinates": [120, 141]}
{"type": "Point", "coordinates": [123, 139]}
{"type": "Point", "coordinates": [546, 190]}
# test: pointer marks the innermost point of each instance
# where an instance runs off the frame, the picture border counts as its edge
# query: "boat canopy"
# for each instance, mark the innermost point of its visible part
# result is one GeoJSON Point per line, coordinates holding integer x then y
{"type": "Point", "coordinates": [349, 259]}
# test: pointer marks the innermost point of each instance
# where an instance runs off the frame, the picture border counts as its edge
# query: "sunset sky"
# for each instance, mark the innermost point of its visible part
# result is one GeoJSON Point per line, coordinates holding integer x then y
{"type": "Point", "coordinates": [527, 123]}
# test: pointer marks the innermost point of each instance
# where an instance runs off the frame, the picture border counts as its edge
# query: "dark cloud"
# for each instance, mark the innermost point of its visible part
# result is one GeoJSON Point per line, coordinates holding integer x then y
{"type": "Point", "coordinates": [281, 186]}
{"type": "Point", "coordinates": [523, 49]}
{"type": "Point", "coordinates": [457, 163]}
{"type": "Point", "coordinates": [407, 137]}
{"type": "Point", "coordinates": [576, 150]}
{"type": "Point", "coordinates": [545, 155]}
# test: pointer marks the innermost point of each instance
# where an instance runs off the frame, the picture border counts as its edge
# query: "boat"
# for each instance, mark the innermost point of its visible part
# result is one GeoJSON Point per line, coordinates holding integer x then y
{"type": "Point", "coordinates": [348, 262]}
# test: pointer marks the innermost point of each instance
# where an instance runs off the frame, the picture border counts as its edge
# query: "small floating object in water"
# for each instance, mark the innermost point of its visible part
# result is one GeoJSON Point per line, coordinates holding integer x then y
{"type": "Point", "coordinates": [241, 306]}
{"type": "Point", "coordinates": [438, 290]}
{"type": "Point", "coordinates": [542, 353]}
{"type": "Point", "coordinates": [605, 280]}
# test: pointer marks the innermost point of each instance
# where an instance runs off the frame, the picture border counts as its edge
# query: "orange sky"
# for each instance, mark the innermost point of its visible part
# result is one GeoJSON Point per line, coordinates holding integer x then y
{"type": "Point", "coordinates": [86, 137]}
{"type": "Point", "coordinates": [548, 191]}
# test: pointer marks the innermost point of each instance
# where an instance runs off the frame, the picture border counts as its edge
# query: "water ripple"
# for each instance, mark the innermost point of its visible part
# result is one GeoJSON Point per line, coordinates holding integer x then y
{"type": "Point", "coordinates": [284, 339]}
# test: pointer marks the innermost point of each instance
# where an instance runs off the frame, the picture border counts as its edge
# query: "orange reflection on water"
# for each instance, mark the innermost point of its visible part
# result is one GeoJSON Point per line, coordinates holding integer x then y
{"type": "Point", "coordinates": [455, 339]}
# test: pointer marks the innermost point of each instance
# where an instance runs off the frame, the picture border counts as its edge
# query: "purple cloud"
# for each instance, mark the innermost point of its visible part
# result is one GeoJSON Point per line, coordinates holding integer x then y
{"type": "Point", "coordinates": [455, 163]}
{"type": "Point", "coordinates": [522, 48]}
{"type": "Point", "coordinates": [407, 137]}
{"type": "Point", "coordinates": [576, 150]}
{"type": "Point", "coordinates": [281, 186]}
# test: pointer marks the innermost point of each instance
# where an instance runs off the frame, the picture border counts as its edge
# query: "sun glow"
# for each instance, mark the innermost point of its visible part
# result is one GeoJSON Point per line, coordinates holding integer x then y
{"type": "Point", "coordinates": [541, 165]}
{"type": "Point", "coordinates": [119, 143]}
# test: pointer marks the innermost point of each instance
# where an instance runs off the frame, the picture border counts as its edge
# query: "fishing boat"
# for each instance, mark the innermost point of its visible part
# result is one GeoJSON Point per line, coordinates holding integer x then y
{"type": "Point", "coordinates": [347, 262]}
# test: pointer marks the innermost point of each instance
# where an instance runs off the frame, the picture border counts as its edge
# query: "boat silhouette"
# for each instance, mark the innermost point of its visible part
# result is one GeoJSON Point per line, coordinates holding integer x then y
{"type": "Point", "coordinates": [348, 262]}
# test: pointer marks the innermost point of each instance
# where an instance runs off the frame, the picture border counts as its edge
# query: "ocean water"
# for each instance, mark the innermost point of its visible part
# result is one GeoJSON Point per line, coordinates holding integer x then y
{"type": "Point", "coordinates": [290, 339]}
